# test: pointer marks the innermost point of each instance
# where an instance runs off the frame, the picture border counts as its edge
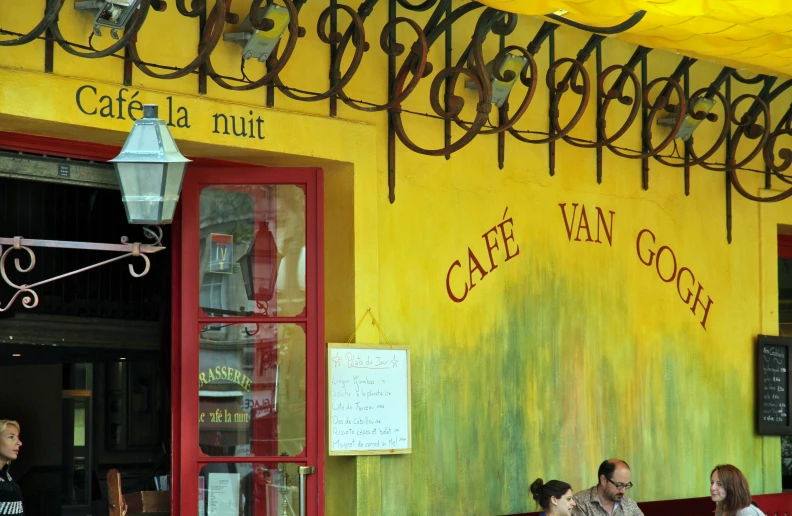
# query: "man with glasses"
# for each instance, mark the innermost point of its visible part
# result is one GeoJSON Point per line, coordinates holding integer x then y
{"type": "Point", "coordinates": [609, 496]}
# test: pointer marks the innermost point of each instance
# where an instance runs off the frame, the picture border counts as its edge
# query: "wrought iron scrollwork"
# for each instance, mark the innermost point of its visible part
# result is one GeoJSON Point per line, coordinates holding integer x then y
{"type": "Point", "coordinates": [53, 9]}
{"type": "Point", "coordinates": [29, 296]}
{"type": "Point", "coordinates": [27, 292]}
{"type": "Point", "coordinates": [212, 34]}
{"type": "Point", "coordinates": [420, 66]}
{"type": "Point", "coordinates": [356, 34]}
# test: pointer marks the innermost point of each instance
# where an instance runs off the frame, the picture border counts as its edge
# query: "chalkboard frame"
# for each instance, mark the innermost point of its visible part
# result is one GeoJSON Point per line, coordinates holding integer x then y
{"type": "Point", "coordinates": [765, 427]}
{"type": "Point", "coordinates": [329, 410]}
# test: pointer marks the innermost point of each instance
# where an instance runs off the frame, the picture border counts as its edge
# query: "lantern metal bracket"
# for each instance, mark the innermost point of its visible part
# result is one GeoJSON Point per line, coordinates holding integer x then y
{"type": "Point", "coordinates": [30, 298]}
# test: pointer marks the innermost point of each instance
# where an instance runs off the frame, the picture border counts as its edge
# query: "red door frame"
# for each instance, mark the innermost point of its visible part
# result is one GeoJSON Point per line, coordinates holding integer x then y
{"type": "Point", "coordinates": [784, 246]}
{"type": "Point", "coordinates": [176, 357]}
{"type": "Point", "coordinates": [312, 319]}
{"type": "Point", "coordinates": [97, 152]}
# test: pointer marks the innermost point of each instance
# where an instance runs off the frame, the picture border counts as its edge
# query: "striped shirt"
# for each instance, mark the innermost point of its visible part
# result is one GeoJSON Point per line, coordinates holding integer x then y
{"type": "Point", "coordinates": [10, 494]}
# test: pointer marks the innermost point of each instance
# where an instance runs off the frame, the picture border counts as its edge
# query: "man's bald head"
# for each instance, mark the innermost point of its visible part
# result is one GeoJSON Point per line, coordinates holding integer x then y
{"type": "Point", "coordinates": [610, 466]}
{"type": "Point", "coordinates": [614, 479]}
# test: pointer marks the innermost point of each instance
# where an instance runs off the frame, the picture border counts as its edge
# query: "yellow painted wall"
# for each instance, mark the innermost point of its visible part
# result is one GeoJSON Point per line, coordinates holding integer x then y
{"type": "Point", "coordinates": [566, 354]}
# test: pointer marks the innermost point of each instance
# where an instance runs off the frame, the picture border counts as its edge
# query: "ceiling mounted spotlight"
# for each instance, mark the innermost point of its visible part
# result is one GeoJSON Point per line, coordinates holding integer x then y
{"type": "Point", "coordinates": [260, 44]}
{"type": "Point", "coordinates": [702, 107]}
{"type": "Point", "coordinates": [510, 69]}
{"type": "Point", "coordinates": [113, 14]}
{"type": "Point", "coordinates": [501, 89]}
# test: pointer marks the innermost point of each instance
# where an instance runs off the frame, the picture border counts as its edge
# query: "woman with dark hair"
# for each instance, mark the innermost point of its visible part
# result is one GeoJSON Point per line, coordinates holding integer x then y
{"type": "Point", "coordinates": [729, 491]}
{"type": "Point", "coordinates": [555, 497]}
{"type": "Point", "coordinates": [10, 494]}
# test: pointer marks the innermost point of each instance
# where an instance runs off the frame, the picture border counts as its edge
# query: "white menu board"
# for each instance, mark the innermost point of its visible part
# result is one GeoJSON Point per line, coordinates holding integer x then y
{"type": "Point", "coordinates": [368, 398]}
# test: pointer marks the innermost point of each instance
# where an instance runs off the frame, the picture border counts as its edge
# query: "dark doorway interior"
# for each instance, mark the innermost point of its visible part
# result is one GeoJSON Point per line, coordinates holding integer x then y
{"type": "Point", "coordinates": [86, 372]}
{"type": "Point", "coordinates": [785, 330]}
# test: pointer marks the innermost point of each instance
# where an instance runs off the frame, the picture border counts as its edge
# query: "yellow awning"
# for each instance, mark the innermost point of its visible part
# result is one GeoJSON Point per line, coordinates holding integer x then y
{"type": "Point", "coordinates": [753, 35]}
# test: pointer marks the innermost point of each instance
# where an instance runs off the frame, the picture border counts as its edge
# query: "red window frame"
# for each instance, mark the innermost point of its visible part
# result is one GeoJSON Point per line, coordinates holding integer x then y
{"type": "Point", "coordinates": [192, 319]}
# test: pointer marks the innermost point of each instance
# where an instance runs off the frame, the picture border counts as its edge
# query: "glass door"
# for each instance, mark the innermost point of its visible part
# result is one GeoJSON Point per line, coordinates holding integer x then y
{"type": "Point", "coordinates": [251, 329]}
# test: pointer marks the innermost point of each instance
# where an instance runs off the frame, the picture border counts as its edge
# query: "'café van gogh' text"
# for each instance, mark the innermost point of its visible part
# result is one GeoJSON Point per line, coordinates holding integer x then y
{"type": "Point", "coordinates": [125, 105]}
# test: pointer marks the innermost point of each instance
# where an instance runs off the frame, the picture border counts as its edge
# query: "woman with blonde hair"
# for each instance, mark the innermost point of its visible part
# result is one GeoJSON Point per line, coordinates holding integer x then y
{"type": "Point", "coordinates": [729, 491]}
{"type": "Point", "coordinates": [10, 494]}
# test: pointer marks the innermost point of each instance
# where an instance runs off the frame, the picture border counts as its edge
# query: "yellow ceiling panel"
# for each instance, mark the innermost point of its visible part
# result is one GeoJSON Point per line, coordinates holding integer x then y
{"type": "Point", "coordinates": [783, 54]}
{"type": "Point", "coordinates": [701, 25]}
{"type": "Point", "coordinates": [752, 54]}
{"type": "Point", "coordinates": [744, 33]}
{"type": "Point", "coordinates": [747, 34]}
{"type": "Point", "coordinates": [782, 23]}
{"type": "Point", "coordinates": [728, 16]}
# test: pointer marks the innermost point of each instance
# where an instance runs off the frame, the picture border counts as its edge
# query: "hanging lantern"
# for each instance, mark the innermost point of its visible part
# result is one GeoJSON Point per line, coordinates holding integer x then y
{"type": "Point", "coordinates": [150, 171]}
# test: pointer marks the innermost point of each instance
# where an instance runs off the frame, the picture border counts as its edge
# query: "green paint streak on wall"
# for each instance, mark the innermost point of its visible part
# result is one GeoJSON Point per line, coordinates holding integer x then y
{"type": "Point", "coordinates": [513, 475]}
{"type": "Point", "coordinates": [566, 380]}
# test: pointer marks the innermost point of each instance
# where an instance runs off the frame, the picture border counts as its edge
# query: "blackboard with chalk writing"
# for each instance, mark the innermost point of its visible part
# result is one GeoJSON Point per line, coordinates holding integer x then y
{"type": "Point", "coordinates": [368, 399]}
{"type": "Point", "coordinates": [772, 385]}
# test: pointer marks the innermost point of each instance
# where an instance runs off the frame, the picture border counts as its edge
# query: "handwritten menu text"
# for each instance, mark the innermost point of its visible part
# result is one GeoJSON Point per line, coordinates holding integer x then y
{"type": "Point", "coordinates": [369, 400]}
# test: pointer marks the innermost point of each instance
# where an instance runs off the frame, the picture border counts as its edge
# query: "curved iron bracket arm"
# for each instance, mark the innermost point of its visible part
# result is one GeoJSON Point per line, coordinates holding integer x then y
{"type": "Point", "coordinates": [628, 24]}
{"type": "Point", "coordinates": [30, 298]}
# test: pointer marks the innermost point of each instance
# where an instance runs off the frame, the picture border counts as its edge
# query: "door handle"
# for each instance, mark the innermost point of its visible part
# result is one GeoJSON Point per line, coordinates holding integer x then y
{"type": "Point", "coordinates": [304, 471]}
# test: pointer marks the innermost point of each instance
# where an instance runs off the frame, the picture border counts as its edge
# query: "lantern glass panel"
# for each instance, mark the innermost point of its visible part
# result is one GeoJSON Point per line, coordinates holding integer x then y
{"type": "Point", "coordinates": [142, 190]}
{"type": "Point", "coordinates": [173, 182]}
{"type": "Point", "coordinates": [143, 138]}
{"type": "Point", "coordinates": [168, 143]}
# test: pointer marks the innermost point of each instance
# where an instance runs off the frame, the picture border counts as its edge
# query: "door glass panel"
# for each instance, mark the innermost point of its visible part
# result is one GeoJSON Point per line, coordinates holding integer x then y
{"type": "Point", "coordinates": [83, 376]}
{"type": "Point", "coordinates": [79, 423]}
{"type": "Point", "coordinates": [252, 250]}
{"type": "Point", "coordinates": [76, 451]}
{"type": "Point", "coordinates": [247, 489]}
{"type": "Point", "coordinates": [252, 389]}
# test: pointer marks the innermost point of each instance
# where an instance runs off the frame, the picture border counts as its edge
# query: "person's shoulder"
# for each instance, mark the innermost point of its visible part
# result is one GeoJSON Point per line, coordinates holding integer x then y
{"type": "Point", "coordinates": [751, 510]}
{"type": "Point", "coordinates": [582, 501]}
{"type": "Point", "coordinates": [631, 505]}
{"type": "Point", "coordinates": [583, 495]}
{"type": "Point", "coordinates": [629, 501]}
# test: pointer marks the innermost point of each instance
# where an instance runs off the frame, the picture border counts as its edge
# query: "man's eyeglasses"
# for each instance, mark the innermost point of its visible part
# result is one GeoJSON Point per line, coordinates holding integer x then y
{"type": "Point", "coordinates": [620, 485]}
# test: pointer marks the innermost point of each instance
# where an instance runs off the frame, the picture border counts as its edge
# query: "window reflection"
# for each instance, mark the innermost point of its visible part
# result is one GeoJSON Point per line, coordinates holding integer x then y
{"type": "Point", "coordinates": [247, 489]}
{"type": "Point", "coordinates": [252, 250]}
{"type": "Point", "coordinates": [252, 389]}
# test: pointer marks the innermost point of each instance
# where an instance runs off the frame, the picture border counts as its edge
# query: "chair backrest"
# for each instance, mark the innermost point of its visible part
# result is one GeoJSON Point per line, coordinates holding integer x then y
{"type": "Point", "coordinates": [779, 504]}
{"type": "Point", "coordinates": [114, 496]}
{"type": "Point", "coordinates": [684, 507]}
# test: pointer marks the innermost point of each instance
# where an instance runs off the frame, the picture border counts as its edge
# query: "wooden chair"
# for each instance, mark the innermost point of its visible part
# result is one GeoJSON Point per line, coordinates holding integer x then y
{"type": "Point", "coordinates": [118, 506]}
{"type": "Point", "coordinates": [143, 503]}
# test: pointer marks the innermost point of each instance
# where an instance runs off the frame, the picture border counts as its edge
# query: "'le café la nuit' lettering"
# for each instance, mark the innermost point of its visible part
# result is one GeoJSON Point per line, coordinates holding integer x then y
{"type": "Point", "coordinates": [125, 106]}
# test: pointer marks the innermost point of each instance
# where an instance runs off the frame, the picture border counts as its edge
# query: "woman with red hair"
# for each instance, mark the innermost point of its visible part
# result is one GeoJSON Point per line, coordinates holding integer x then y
{"type": "Point", "coordinates": [729, 491]}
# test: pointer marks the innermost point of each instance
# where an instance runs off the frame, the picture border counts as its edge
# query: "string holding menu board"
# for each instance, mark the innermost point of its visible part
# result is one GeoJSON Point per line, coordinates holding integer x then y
{"type": "Point", "coordinates": [368, 399]}
{"type": "Point", "coordinates": [772, 368]}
